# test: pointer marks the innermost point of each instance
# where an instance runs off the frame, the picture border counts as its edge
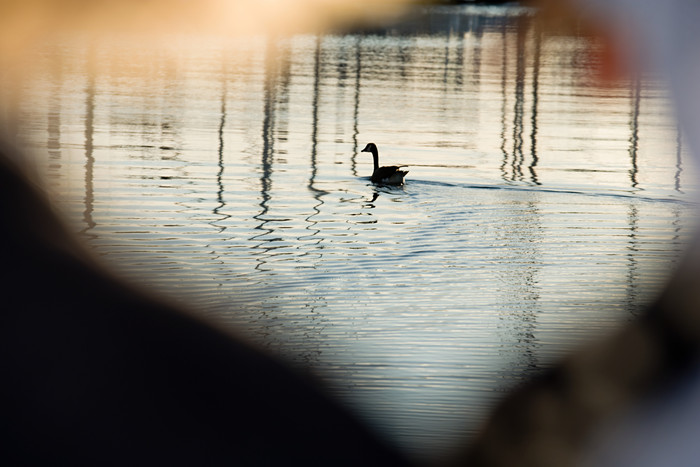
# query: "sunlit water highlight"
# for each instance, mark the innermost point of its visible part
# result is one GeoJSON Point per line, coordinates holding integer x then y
{"type": "Point", "coordinates": [540, 209]}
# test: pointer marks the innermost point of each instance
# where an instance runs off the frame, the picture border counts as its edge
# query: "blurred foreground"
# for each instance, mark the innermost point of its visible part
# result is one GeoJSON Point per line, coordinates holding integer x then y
{"type": "Point", "coordinates": [99, 370]}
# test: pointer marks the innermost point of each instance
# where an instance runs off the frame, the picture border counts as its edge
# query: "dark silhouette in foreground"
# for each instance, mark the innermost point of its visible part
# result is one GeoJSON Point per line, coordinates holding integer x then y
{"type": "Point", "coordinates": [97, 373]}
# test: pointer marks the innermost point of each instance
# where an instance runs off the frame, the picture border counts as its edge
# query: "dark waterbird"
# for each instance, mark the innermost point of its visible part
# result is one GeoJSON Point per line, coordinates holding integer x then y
{"type": "Point", "coordinates": [390, 175]}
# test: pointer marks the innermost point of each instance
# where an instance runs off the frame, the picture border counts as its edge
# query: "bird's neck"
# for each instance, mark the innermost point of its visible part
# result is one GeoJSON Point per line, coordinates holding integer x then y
{"type": "Point", "coordinates": [375, 155]}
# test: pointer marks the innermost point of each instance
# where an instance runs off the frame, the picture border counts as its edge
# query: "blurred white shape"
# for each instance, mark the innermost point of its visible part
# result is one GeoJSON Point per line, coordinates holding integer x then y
{"type": "Point", "coordinates": [662, 37]}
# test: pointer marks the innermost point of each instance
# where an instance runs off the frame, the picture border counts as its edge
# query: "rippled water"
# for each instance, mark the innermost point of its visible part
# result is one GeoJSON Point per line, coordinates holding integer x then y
{"type": "Point", "coordinates": [540, 209]}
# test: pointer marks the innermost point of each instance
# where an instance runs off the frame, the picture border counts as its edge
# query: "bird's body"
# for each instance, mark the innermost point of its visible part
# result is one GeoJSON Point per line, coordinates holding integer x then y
{"type": "Point", "coordinates": [388, 175]}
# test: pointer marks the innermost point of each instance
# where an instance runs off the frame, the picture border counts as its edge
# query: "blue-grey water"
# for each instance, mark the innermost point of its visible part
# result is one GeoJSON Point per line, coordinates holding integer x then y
{"type": "Point", "coordinates": [542, 208]}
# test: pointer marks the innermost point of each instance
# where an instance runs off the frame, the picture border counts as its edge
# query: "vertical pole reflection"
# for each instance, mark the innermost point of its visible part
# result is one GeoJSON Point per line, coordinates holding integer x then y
{"type": "Point", "coordinates": [633, 216]}
{"type": "Point", "coordinates": [220, 173]}
{"type": "Point", "coordinates": [455, 66]}
{"type": "Point", "coordinates": [267, 142]}
{"type": "Point", "coordinates": [519, 288]}
{"type": "Point", "coordinates": [276, 76]}
{"type": "Point", "coordinates": [679, 161]}
{"type": "Point", "coordinates": [677, 225]}
{"type": "Point", "coordinates": [268, 125]}
{"type": "Point", "coordinates": [632, 297]}
{"type": "Point", "coordinates": [317, 193]}
{"type": "Point", "coordinates": [535, 96]}
{"type": "Point", "coordinates": [356, 109]}
{"type": "Point", "coordinates": [314, 115]}
{"type": "Point", "coordinates": [631, 300]}
{"type": "Point", "coordinates": [12, 105]}
{"type": "Point", "coordinates": [519, 102]}
{"type": "Point", "coordinates": [405, 59]}
{"type": "Point", "coordinates": [476, 57]}
{"type": "Point", "coordinates": [311, 353]}
{"type": "Point", "coordinates": [53, 130]}
{"type": "Point", "coordinates": [459, 62]}
{"type": "Point", "coordinates": [219, 218]}
{"type": "Point", "coordinates": [89, 135]}
{"type": "Point", "coordinates": [446, 61]}
{"type": "Point", "coordinates": [504, 96]}
{"type": "Point", "coordinates": [634, 129]}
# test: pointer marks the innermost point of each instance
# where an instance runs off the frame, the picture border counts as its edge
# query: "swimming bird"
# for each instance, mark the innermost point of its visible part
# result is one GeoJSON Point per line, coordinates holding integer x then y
{"type": "Point", "coordinates": [390, 175]}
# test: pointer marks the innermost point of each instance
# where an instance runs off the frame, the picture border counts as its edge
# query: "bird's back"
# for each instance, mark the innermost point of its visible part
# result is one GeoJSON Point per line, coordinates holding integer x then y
{"type": "Point", "coordinates": [390, 175]}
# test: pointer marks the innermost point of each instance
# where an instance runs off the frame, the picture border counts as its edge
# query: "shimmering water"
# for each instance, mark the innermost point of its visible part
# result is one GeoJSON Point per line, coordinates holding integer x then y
{"type": "Point", "coordinates": [541, 208]}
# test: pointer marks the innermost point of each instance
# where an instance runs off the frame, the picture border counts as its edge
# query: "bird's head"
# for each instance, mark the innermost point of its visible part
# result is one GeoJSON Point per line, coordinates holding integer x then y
{"type": "Point", "coordinates": [371, 147]}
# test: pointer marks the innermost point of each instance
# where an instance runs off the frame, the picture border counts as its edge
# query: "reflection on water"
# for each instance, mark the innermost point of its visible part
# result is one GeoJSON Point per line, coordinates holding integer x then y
{"type": "Point", "coordinates": [89, 132]}
{"type": "Point", "coordinates": [519, 290]}
{"type": "Point", "coordinates": [540, 209]}
{"type": "Point", "coordinates": [634, 130]}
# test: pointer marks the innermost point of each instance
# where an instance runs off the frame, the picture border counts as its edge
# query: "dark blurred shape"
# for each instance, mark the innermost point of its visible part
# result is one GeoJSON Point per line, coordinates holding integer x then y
{"type": "Point", "coordinates": [97, 373]}
{"type": "Point", "coordinates": [553, 419]}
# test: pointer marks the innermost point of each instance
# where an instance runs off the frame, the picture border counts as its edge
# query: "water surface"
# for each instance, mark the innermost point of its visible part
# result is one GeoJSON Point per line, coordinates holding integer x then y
{"type": "Point", "coordinates": [541, 208]}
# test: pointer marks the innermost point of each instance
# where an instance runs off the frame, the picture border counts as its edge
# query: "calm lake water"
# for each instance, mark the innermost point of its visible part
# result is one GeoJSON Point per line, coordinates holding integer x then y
{"type": "Point", "coordinates": [541, 209]}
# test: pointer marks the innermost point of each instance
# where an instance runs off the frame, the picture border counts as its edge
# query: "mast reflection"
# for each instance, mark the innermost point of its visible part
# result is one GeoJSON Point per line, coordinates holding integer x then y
{"type": "Point", "coordinates": [311, 354]}
{"type": "Point", "coordinates": [632, 302]}
{"type": "Point", "coordinates": [89, 135]}
{"type": "Point", "coordinates": [317, 193]}
{"type": "Point", "coordinates": [535, 97]}
{"type": "Point", "coordinates": [634, 130]}
{"type": "Point", "coordinates": [220, 153]}
{"type": "Point", "coordinates": [504, 101]}
{"type": "Point", "coordinates": [356, 107]}
{"type": "Point", "coordinates": [275, 91]}
{"type": "Point", "coordinates": [267, 150]}
{"type": "Point", "coordinates": [519, 293]}
{"type": "Point", "coordinates": [679, 162]}
{"type": "Point", "coordinates": [513, 163]}
{"type": "Point", "coordinates": [53, 129]}
{"type": "Point", "coordinates": [517, 164]}
{"type": "Point", "coordinates": [477, 33]}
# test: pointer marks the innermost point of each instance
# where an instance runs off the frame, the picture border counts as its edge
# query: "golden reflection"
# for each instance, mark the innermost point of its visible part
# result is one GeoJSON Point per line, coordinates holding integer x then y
{"type": "Point", "coordinates": [25, 24]}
